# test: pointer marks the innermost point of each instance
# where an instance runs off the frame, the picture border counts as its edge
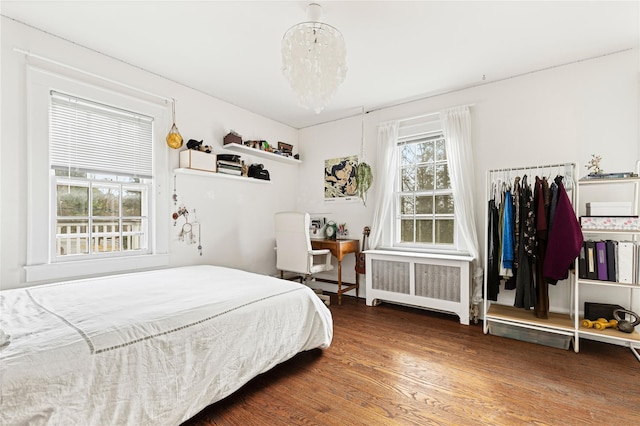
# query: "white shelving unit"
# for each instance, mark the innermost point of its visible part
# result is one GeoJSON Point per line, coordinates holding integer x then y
{"type": "Point", "coordinates": [259, 153]}
{"type": "Point", "coordinates": [215, 175]}
{"type": "Point", "coordinates": [632, 340]}
{"type": "Point", "coordinates": [557, 324]}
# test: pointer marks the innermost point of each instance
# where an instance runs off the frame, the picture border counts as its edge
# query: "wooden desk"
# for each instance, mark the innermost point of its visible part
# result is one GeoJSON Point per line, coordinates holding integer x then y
{"type": "Point", "coordinates": [338, 249]}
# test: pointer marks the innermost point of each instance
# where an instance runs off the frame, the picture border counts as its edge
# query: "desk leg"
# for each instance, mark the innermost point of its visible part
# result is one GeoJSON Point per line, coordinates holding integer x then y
{"type": "Point", "coordinates": [357, 284]}
{"type": "Point", "coordinates": [339, 282]}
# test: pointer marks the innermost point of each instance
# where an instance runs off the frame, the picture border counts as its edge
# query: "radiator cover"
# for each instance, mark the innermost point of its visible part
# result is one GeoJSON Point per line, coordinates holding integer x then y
{"type": "Point", "coordinates": [437, 282]}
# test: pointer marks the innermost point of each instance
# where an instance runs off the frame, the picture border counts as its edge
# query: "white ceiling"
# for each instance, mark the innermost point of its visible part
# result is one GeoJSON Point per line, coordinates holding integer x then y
{"type": "Point", "coordinates": [396, 50]}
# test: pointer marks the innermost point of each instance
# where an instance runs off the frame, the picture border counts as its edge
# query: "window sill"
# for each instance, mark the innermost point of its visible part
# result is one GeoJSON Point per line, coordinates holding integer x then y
{"type": "Point", "coordinates": [79, 269]}
{"type": "Point", "coordinates": [462, 256]}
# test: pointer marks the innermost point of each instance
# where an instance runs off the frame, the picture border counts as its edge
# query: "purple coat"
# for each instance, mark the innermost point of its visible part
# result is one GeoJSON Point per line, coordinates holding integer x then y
{"type": "Point", "coordinates": [565, 239]}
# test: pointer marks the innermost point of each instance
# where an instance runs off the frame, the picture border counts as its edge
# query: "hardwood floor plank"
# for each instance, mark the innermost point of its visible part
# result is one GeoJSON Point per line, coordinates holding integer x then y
{"type": "Point", "coordinates": [394, 365]}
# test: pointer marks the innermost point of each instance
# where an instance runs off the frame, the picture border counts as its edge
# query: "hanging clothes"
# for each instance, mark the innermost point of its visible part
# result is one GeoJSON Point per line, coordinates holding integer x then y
{"type": "Point", "coordinates": [510, 284]}
{"type": "Point", "coordinates": [542, 203]}
{"type": "Point", "coordinates": [525, 288]}
{"type": "Point", "coordinates": [516, 220]}
{"type": "Point", "coordinates": [553, 188]}
{"type": "Point", "coordinates": [533, 235]}
{"type": "Point", "coordinates": [565, 238]}
{"type": "Point", "coordinates": [493, 255]}
{"type": "Point", "coordinates": [507, 233]}
{"type": "Point", "coordinates": [506, 246]}
{"type": "Point", "coordinates": [504, 273]}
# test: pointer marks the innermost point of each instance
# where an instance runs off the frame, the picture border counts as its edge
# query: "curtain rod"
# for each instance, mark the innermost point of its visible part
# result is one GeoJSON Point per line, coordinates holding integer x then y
{"type": "Point", "coordinates": [545, 166]}
{"type": "Point", "coordinates": [53, 61]}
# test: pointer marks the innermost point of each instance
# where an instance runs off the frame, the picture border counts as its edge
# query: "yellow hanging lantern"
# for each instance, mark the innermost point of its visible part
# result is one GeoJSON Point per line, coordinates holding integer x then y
{"type": "Point", "coordinates": [174, 138]}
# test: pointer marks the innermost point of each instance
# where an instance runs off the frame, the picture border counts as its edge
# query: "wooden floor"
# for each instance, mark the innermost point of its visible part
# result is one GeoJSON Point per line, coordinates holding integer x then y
{"type": "Point", "coordinates": [392, 365]}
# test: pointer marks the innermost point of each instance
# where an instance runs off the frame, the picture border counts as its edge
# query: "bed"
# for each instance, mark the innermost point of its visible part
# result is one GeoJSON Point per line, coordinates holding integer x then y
{"type": "Point", "coordinates": [148, 348]}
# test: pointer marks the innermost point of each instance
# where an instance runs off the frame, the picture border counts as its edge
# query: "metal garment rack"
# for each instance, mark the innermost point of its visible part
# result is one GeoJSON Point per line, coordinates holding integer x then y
{"type": "Point", "coordinates": [566, 325]}
{"type": "Point", "coordinates": [564, 167]}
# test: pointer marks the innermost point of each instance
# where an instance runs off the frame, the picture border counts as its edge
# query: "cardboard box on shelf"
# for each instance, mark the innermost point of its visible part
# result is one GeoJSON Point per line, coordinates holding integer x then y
{"type": "Point", "coordinates": [197, 160]}
{"type": "Point", "coordinates": [607, 208]}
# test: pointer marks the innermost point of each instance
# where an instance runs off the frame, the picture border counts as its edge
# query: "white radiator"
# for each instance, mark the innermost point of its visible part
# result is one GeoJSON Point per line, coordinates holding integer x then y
{"type": "Point", "coordinates": [431, 281]}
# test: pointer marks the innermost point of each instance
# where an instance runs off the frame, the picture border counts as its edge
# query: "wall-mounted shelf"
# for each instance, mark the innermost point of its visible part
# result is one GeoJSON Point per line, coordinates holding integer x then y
{"type": "Point", "coordinates": [203, 173]}
{"type": "Point", "coordinates": [258, 153]}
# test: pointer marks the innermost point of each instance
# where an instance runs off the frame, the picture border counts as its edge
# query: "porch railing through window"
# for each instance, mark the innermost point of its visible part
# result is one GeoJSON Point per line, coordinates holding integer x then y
{"type": "Point", "coordinates": [72, 237]}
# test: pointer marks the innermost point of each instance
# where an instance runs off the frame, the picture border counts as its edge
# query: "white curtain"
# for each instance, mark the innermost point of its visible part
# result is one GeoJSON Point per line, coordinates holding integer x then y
{"type": "Point", "coordinates": [386, 171]}
{"type": "Point", "coordinates": [456, 125]}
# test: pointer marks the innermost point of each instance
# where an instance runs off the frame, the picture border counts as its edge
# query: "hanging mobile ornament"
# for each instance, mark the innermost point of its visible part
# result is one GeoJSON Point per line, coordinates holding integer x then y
{"type": "Point", "coordinates": [175, 193]}
{"type": "Point", "coordinates": [195, 222]}
{"type": "Point", "coordinates": [174, 138]}
{"type": "Point", "coordinates": [175, 215]}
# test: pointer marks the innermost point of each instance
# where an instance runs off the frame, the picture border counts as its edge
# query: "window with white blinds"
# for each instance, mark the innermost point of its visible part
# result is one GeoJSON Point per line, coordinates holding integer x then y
{"type": "Point", "coordinates": [98, 178]}
{"type": "Point", "coordinates": [92, 137]}
{"type": "Point", "coordinates": [103, 165]}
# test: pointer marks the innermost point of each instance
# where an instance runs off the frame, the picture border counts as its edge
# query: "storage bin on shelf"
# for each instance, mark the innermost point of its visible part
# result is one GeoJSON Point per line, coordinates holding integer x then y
{"type": "Point", "coordinates": [540, 337]}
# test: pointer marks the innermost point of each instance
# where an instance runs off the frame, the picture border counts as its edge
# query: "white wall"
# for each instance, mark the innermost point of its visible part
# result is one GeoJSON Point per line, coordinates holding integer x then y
{"type": "Point", "coordinates": [236, 217]}
{"type": "Point", "coordinates": [564, 114]}
{"type": "Point", "coordinates": [557, 115]}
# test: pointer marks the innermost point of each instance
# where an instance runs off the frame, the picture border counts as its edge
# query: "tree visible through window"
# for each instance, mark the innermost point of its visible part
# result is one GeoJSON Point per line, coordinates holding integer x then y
{"type": "Point", "coordinates": [424, 200]}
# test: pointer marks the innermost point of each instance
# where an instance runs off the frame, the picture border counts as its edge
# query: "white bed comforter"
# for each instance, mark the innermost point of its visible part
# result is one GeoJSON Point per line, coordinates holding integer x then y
{"type": "Point", "coordinates": [147, 348]}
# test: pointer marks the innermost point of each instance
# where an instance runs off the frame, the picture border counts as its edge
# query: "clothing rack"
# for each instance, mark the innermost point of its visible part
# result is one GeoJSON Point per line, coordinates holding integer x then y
{"type": "Point", "coordinates": [546, 166]}
{"type": "Point", "coordinates": [568, 171]}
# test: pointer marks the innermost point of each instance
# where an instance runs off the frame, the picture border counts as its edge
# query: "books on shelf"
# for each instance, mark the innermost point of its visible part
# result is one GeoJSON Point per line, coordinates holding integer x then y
{"type": "Point", "coordinates": [601, 255]}
{"type": "Point", "coordinates": [230, 172]}
{"type": "Point", "coordinates": [610, 261]}
{"type": "Point", "coordinates": [229, 167]}
{"type": "Point", "coordinates": [627, 258]}
{"type": "Point", "coordinates": [234, 164]}
{"type": "Point", "coordinates": [591, 271]}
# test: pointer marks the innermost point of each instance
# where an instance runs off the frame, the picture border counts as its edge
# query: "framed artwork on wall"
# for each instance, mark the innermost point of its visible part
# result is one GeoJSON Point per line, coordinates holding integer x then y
{"type": "Point", "coordinates": [340, 178]}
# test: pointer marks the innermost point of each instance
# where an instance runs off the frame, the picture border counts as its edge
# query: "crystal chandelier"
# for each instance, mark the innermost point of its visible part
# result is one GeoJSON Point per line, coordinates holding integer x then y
{"type": "Point", "coordinates": [314, 60]}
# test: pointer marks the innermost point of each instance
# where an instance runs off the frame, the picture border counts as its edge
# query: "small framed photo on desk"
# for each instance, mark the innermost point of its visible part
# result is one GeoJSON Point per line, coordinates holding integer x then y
{"type": "Point", "coordinates": [316, 231]}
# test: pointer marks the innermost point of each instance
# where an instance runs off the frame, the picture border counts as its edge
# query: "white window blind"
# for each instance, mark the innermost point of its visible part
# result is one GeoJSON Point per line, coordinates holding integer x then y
{"type": "Point", "coordinates": [93, 137]}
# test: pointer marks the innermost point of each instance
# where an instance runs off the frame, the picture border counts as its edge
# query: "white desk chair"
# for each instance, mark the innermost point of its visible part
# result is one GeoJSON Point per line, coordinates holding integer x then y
{"type": "Point", "coordinates": [293, 246]}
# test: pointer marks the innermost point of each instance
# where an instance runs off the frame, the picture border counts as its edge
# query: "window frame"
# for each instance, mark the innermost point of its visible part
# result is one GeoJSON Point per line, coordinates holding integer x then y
{"type": "Point", "coordinates": [430, 130]}
{"type": "Point", "coordinates": [143, 187]}
{"type": "Point", "coordinates": [41, 187]}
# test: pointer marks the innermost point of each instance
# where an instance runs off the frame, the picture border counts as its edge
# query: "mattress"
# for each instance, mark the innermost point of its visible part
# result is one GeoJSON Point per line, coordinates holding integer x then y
{"type": "Point", "coordinates": [148, 348]}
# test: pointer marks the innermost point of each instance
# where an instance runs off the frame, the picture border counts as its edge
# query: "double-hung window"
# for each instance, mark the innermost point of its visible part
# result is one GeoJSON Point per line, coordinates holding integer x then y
{"type": "Point", "coordinates": [97, 196]}
{"type": "Point", "coordinates": [101, 162]}
{"type": "Point", "coordinates": [423, 199]}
